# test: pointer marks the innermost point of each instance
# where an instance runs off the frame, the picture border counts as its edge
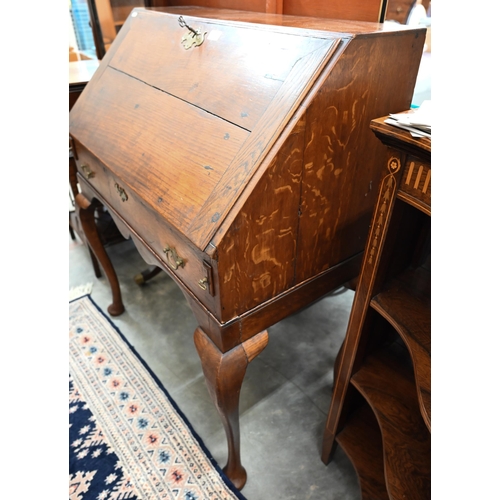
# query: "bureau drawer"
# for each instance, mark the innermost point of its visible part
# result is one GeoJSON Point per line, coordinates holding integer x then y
{"type": "Point", "coordinates": [177, 254]}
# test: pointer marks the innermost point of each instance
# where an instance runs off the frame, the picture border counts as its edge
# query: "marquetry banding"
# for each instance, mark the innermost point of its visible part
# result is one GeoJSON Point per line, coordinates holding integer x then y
{"type": "Point", "coordinates": [417, 180]}
{"type": "Point", "coordinates": [386, 197]}
{"type": "Point", "coordinates": [427, 182]}
{"type": "Point", "coordinates": [410, 173]}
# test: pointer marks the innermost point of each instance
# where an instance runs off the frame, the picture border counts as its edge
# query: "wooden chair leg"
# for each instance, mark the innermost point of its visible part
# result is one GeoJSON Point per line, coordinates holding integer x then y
{"type": "Point", "coordinates": [95, 263]}
{"type": "Point", "coordinates": [86, 214]}
{"type": "Point", "coordinates": [146, 275]}
{"type": "Point", "coordinates": [224, 373]}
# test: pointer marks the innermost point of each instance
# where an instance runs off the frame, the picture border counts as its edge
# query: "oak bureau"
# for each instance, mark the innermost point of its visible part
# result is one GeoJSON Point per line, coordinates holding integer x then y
{"type": "Point", "coordinates": [234, 148]}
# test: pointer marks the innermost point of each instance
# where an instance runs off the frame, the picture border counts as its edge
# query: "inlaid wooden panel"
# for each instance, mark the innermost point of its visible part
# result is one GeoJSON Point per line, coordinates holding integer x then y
{"type": "Point", "coordinates": [416, 180]}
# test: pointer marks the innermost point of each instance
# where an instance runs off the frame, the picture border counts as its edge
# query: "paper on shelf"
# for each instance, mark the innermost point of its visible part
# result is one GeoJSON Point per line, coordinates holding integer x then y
{"type": "Point", "coordinates": [416, 121]}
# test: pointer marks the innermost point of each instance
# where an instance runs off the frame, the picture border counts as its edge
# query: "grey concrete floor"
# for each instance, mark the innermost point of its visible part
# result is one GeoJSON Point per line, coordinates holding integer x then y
{"type": "Point", "coordinates": [285, 395]}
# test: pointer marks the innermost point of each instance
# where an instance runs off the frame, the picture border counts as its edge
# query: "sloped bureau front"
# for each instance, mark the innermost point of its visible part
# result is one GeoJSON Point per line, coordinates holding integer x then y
{"type": "Point", "coordinates": [203, 117]}
{"type": "Point", "coordinates": [235, 74]}
{"type": "Point", "coordinates": [244, 166]}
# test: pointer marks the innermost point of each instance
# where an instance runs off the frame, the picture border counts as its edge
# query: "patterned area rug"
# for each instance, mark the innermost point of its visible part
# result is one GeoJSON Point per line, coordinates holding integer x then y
{"type": "Point", "coordinates": [128, 439]}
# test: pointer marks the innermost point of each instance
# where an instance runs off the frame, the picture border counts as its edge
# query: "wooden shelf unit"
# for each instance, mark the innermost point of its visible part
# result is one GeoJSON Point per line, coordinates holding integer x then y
{"type": "Point", "coordinates": [361, 441]}
{"type": "Point", "coordinates": [380, 412]}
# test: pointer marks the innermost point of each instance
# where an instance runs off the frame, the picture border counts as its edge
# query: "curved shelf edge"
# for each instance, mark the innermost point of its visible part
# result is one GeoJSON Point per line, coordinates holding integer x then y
{"type": "Point", "coordinates": [390, 391]}
{"type": "Point", "coordinates": [409, 314]}
{"type": "Point", "coordinates": [361, 441]}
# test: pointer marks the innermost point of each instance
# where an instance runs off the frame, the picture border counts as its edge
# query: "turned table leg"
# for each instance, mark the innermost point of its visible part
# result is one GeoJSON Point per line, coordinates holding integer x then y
{"type": "Point", "coordinates": [86, 214]}
{"type": "Point", "coordinates": [224, 373]}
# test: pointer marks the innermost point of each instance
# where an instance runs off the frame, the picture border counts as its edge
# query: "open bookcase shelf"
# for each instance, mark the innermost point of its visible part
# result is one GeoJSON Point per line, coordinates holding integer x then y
{"type": "Point", "coordinates": [361, 441]}
{"type": "Point", "coordinates": [389, 389]}
{"type": "Point", "coordinates": [405, 304]}
{"type": "Point", "coordinates": [380, 412]}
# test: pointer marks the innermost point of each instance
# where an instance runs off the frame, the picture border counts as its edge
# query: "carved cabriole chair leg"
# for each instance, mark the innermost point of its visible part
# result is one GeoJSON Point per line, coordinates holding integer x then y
{"type": "Point", "coordinates": [85, 211]}
{"type": "Point", "coordinates": [224, 373]}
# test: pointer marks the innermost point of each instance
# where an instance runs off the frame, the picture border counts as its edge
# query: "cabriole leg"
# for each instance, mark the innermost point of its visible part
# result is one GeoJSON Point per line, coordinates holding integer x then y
{"type": "Point", "coordinates": [224, 373]}
{"type": "Point", "coordinates": [86, 214]}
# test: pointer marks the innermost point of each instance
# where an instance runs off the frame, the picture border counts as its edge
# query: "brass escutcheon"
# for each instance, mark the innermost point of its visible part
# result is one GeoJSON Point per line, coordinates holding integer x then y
{"type": "Point", "coordinates": [173, 260]}
{"type": "Point", "coordinates": [121, 192]}
{"type": "Point", "coordinates": [192, 39]}
{"type": "Point", "coordinates": [87, 172]}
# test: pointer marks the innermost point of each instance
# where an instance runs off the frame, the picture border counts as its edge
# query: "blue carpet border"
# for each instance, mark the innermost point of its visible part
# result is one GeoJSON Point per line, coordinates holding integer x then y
{"type": "Point", "coordinates": [226, 480]}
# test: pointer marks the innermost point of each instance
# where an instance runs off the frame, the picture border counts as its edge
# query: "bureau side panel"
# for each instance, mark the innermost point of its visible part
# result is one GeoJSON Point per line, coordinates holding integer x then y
{"type": "Point", "coordinates": [257, 253]}
{"type": "Point", "coordinates": [343, 160]}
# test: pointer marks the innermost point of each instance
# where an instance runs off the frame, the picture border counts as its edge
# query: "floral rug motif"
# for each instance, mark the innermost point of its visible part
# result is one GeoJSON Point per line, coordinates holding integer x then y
{"type": "Point", "coordinates": [128, 439]}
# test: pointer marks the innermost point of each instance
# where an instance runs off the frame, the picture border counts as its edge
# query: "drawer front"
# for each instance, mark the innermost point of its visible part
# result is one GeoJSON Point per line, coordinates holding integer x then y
{"type": "Point", "coordinates": [177, 255]}
{"type": "Point", "coordinates": [416, 179]}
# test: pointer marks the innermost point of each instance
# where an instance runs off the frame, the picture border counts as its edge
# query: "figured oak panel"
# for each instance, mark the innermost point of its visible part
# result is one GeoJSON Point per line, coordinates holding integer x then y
{"type": "Point", "coordinates": [342, 156]}
{"type": "Point", "coordinates": [259, 248]}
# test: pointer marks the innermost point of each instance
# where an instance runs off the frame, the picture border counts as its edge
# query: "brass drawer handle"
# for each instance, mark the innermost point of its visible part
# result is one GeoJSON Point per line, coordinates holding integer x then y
{"type": "Point", "coordinates": [121, 192]}
{"type": "Point", "coordinates": [87, 172]}
{"type": "Point", "coordinates": [203, 283]}
{"type": "Point", "coordinates": [173, 260]}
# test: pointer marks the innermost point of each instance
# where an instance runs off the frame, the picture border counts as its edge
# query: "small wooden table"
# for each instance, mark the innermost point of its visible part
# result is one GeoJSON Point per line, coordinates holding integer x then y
{"type": "Point", "coordinates": [380, 412]}
{"type": "Point", "coordinates": [80, 73]}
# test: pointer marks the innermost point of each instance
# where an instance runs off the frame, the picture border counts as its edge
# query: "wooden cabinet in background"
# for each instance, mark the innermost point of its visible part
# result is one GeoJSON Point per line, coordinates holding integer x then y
{"type": "Point", "coordinates": [399, 10]}
{"type": "Point", "coordinates": [381, 406]}
{"type": "Point", "coordinates": [108, 16]}
{"type": "Point", "coordinates": [80, 73]}
{"type": "Point", "coordinates": [354, 10]}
